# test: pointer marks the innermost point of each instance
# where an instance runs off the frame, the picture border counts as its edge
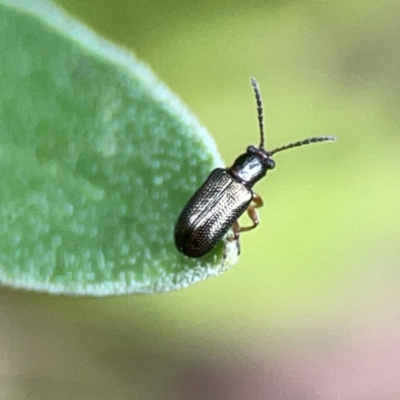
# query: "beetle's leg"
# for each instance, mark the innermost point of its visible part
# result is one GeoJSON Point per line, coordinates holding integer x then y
{"type": "Point", "coordinates": [236, 231]}
{"type": "Point", "coordinates": [257, 200]}
{"type": "Point", "coordinates": [252, 213]}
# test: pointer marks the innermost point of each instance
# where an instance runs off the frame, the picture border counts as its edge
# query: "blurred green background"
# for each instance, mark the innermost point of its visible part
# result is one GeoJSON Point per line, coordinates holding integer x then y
{"type": "Point", "coordinates": [312, 309]}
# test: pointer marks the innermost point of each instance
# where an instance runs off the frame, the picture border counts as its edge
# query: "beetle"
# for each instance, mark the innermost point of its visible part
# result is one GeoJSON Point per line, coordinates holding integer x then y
{"type": "Point", "coordinates": [227, 194]}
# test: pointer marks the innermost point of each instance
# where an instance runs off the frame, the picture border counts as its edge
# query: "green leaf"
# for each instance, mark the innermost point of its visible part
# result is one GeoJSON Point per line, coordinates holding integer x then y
{"type": "Point", "coordinates": [97, 159]}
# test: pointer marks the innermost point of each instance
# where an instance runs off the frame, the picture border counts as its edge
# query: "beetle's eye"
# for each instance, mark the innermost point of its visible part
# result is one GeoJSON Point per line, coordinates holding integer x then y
{"type": "Point", "coordinates": [271, 163]}
{"type": "Point", "coordinates": [251, 149]}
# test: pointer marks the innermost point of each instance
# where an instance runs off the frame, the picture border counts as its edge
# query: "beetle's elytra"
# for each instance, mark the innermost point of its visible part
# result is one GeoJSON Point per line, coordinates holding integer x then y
{"type": "Point", "coordinates": [227, 194]}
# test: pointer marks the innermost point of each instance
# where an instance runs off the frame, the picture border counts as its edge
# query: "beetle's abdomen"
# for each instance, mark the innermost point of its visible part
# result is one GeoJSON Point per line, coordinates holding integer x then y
{"type": "Point", "coordinates": [208, 215]}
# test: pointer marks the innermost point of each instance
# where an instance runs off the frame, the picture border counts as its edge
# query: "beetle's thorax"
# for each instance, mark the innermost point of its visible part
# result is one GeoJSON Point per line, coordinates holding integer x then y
{"type": "Point", "coordinates": [251, 166]}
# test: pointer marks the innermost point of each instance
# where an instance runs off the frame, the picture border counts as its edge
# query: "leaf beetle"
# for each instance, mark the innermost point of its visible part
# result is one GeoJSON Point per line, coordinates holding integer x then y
{"type": "Point", "coordinates": [227, 194]}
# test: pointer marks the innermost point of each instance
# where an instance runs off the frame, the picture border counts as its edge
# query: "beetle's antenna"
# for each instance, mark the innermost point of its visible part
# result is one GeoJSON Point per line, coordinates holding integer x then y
{"type": "Point", "coordinates": [303, 142]}
{"type": "Point", "coordinates": [259, 111]}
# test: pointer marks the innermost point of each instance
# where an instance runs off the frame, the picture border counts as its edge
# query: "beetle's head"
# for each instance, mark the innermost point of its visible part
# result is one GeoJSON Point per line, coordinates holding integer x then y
{"type": "Point", "coordinates": [263, 155]}
{"type": "Point", "coordinates": [251, 166]}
